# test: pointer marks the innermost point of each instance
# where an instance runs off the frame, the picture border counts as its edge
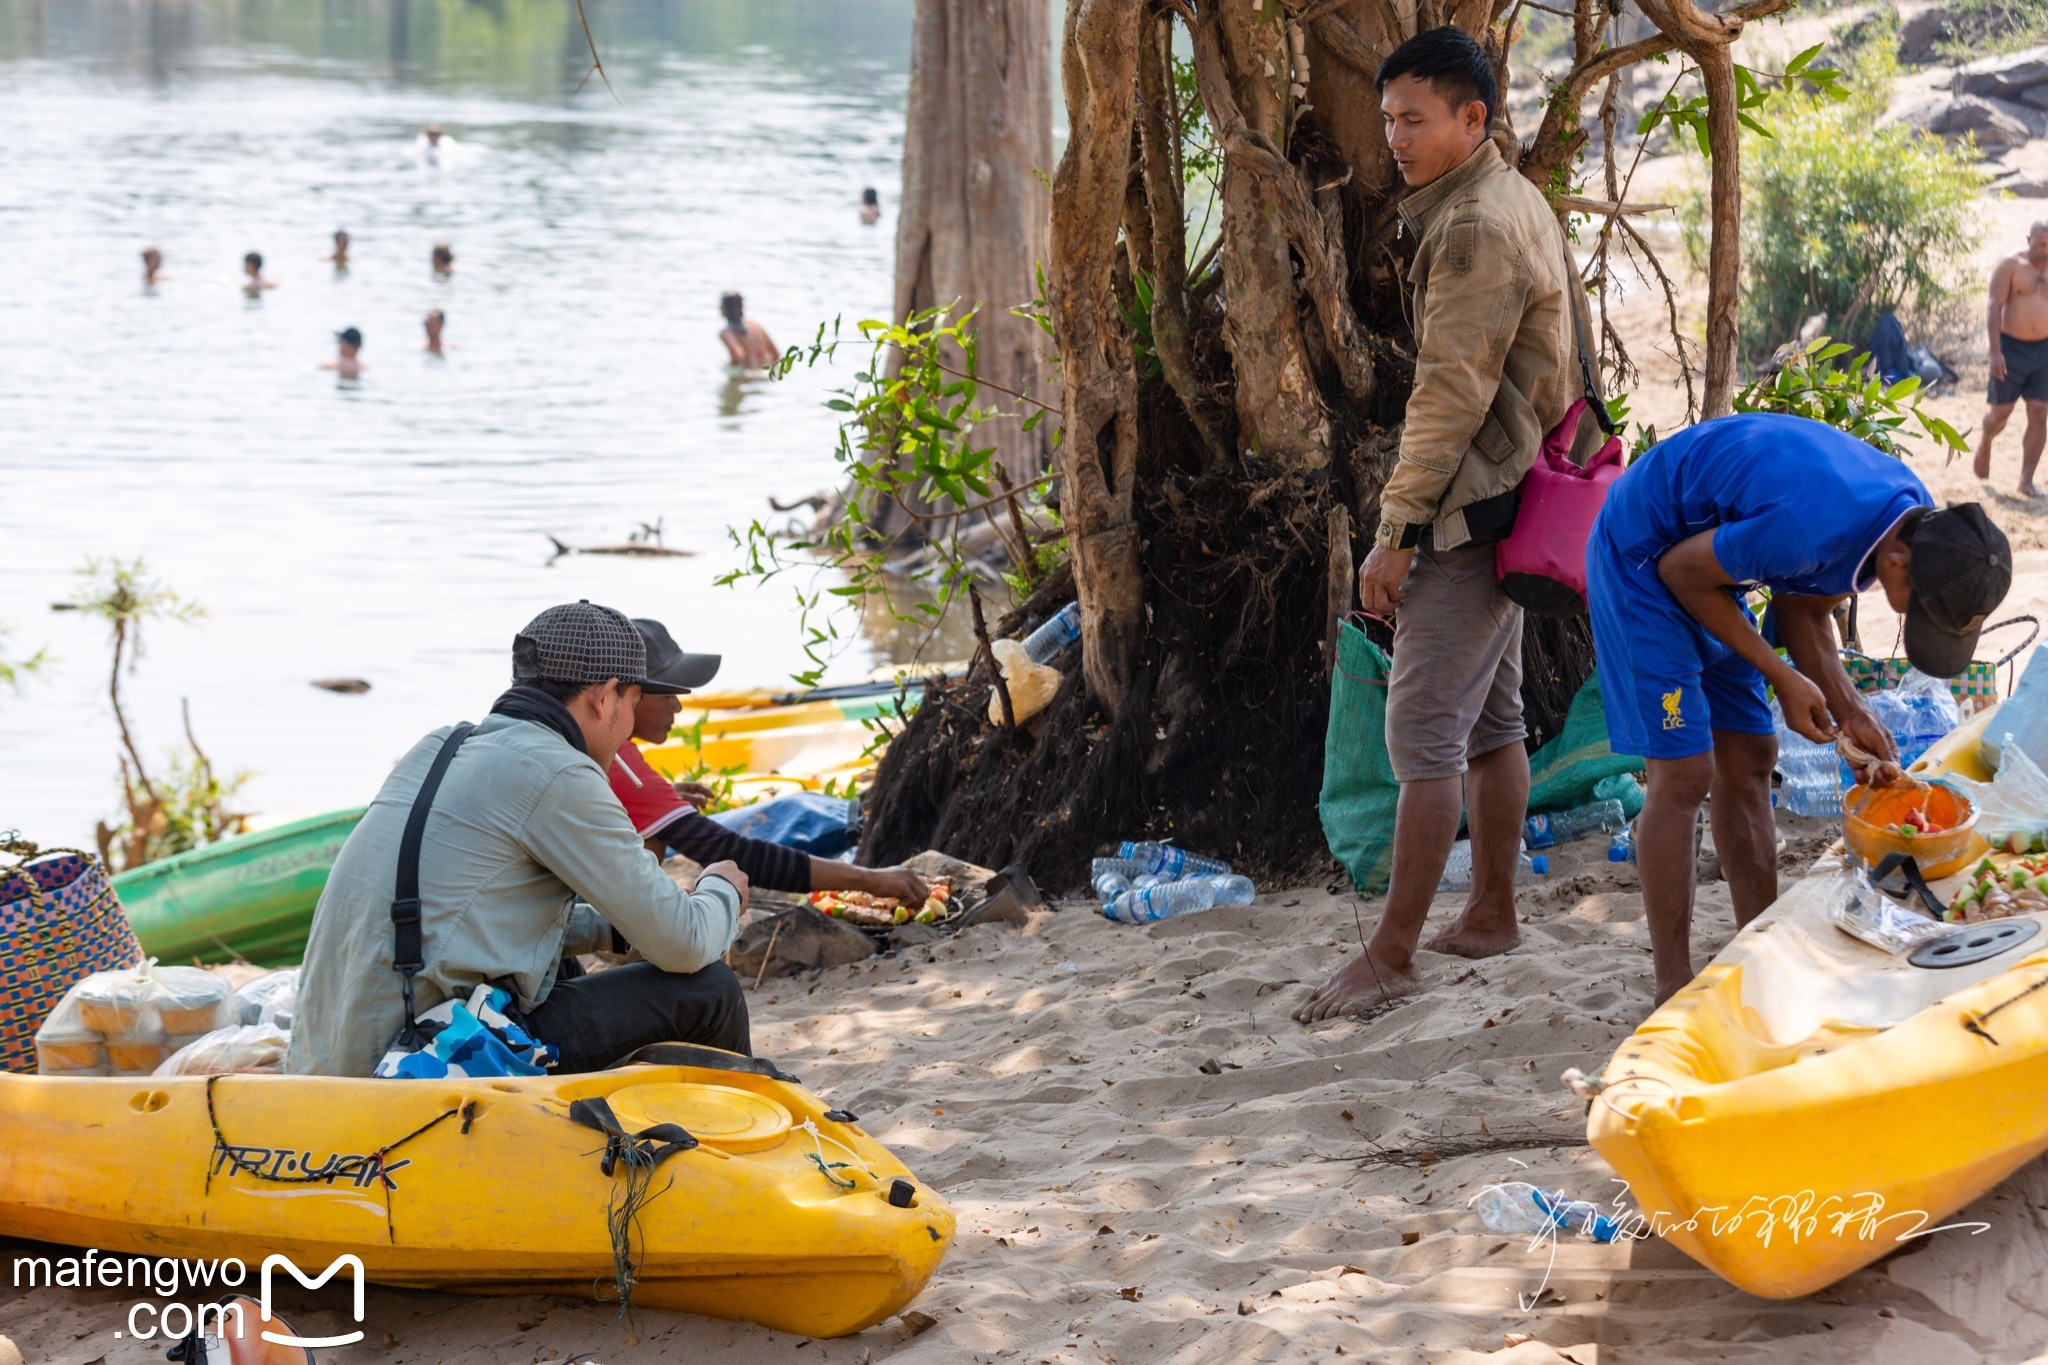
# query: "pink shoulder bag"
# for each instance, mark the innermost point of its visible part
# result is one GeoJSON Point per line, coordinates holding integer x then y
{"type": "Point", "coordinates": [1541, 563]}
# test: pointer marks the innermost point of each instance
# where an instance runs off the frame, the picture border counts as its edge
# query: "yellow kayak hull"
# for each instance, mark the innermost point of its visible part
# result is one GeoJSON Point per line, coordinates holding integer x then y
{"type": "Point", "coordinates": [1809, 1103]}
{"type": "Point", "coordinates": [497, 1191]}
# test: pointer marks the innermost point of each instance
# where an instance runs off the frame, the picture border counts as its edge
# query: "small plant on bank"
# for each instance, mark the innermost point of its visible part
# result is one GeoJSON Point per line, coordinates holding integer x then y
{"type": "Point", "coordinates": [1856, 399]}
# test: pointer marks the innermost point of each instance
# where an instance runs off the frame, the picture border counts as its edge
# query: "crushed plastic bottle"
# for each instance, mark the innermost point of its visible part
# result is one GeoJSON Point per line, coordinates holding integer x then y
{"type": "Point", "coordinates": [1623, 849]}
{"type": "Point", "coordinates": [1144, 905]}
{"type": "Point", "coordinates": [1458, 869]}
{"type": "Point", "coordinates": [1055, 635]}
{"type": "Point", "coordinates": [1521, 1207]}
{"type": "Point", "coordinates": [1172, 861]}
{"type": "Point", "coordinates": [1558, 827]}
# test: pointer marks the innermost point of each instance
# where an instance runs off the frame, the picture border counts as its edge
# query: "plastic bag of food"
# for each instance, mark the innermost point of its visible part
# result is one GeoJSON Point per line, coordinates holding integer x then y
{"type": "Point", "coordinates": [1031, 685]}
{"type": "Point", "coordinates": [2012, 808]}
{"type": "Point", "coordinates": [237, 1048]}
{"type": "Point", "coordinates": [129, 1022]}
{"type": "Point", "coordinates": [1862, 911]}
{"type": "Point", "coordinates": [269, 999]}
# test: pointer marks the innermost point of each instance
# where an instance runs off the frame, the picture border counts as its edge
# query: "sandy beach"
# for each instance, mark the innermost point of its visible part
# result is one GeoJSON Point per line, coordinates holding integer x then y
{"type": "Point", "coordinates": [1152, 1163]}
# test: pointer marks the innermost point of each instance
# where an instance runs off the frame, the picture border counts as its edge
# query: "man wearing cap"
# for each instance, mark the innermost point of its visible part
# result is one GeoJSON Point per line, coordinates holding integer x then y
{"type": "Point", "coordinates": [526, 856]}
{"type": "Point", "coordinates": [347, 342]}
{"type": "Point", "coordinates": [1813, 515]}
{"type": "Point", "coordinates": [666, 817]}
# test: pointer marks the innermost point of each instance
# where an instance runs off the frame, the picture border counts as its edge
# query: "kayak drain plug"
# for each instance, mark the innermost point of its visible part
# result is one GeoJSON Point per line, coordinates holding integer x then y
{"type": "Point", "coordinates": [900, 1192]}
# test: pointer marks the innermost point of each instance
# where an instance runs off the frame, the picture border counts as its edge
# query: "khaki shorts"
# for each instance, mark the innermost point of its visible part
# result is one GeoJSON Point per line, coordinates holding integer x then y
{"type": "Point", "coordinates": [1456, 689]}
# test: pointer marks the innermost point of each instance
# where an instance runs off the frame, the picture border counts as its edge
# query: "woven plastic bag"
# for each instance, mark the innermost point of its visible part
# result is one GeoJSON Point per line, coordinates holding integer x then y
{"type": "Point", "coordinates": [1569, 767]}
{"type": "Point", "coordinates": [1360, 791]}
{"type": "Point", "coordinates": [59, 921]}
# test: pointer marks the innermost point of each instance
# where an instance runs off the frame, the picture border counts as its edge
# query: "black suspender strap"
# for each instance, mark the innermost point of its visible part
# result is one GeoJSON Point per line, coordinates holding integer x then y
{"type": "Point", "coordinates": [407, 949]}
{"type": "Point", "coordinates": [1575, 299]}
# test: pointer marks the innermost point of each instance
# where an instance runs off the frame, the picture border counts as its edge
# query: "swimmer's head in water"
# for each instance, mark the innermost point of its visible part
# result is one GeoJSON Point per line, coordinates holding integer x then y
{"type": "Point", "coordinates": [734, 309]}
{"type": "Point", "coordinates": [443, 256]}
{"type": "Point", "coordinates": [151, 258]}
{"type": "Point", "coordinates": [432, 132]}
{"type": "Point", "coordinates": [870, 198]}
{"type": "Point", "coordinates": [341, 239]}
{"type": "Point", "coordinates": [253, 262]}
{"type": "Point", "coordinates": [350, 338]}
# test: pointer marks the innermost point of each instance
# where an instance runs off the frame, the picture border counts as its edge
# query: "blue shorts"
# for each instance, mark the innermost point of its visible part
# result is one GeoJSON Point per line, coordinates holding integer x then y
{"type": "Point", "coordinates": [1666, 682]}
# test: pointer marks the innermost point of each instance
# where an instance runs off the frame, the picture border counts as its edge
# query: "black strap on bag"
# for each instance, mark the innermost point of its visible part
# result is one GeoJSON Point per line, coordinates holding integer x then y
{"type": "Point", "coordinates": [1575, 299]}
{"type": "Point", "coordinates": [407, 950]}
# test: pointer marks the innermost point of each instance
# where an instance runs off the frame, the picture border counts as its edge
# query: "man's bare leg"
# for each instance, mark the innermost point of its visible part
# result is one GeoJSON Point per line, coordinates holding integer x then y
{"type": "Point", "coordinates": [1745, 833]}
{"type": "Point", "coordinates": [1425, 827]}
{"type": "Point", "coordinates": [2030, 446]}
{"type": "Point", "coordinates": [1995, 418]}
{"type": "Point", "coordinates": [1496, 804]}
{"type": "Point", "coordinates": [1664, 856]}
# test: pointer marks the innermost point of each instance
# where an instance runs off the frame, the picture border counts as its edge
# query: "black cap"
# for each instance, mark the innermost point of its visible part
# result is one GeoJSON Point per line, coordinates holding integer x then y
{"type": "Point", "coordinates": [351, 336]}
{"type": "Point", "coordinates": [666, 662]}
{"type": "Point", "coordinates": [582, 643]}
{"type": "Point", "coordinates": [1962, 568]}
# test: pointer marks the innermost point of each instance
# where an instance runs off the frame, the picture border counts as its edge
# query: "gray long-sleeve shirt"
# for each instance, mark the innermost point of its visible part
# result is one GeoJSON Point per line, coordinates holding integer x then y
{"type": "Point", "coordinates": [527, 856]}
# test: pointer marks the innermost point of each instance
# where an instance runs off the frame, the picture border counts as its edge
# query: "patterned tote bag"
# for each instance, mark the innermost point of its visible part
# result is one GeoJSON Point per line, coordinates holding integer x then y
{"type": "Point", "coordinates": [59, 921]}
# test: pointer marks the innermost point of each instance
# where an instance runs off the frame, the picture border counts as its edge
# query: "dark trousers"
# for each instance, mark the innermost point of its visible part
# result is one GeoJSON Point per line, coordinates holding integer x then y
{"type": "Point", "coordinates": [595, 1020]}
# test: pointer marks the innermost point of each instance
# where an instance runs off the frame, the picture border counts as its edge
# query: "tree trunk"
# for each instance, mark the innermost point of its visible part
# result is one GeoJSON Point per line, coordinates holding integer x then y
{"type": "Point", "coordinates": [972, 224]}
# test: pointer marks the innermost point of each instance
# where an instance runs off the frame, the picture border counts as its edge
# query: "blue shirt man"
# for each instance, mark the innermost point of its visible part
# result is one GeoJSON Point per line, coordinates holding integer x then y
{"type": "Point", "coordinates": [1812, 514]}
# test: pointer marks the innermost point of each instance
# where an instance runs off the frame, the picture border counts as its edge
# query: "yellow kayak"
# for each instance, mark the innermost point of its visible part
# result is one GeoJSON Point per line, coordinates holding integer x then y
{"type": "Point", "coordinates": [770, 751]}
{"type": "Point", "coordinates": [489, 1186]}
{"type": "Point", "coordinates": [1810, 1102]}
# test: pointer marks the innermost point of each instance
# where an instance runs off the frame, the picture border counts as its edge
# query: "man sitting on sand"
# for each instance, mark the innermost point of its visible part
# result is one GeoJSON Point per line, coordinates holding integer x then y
{"type": "Point", "coordinates": [2018, 322]}
{"type": "Point", "coordinates": [436, 320]}
{"type": "Point", "coordinates": [1814, 515]}
{"type": "Point", "coordinates": [152, 267]}
{"type": "Point", "coordinates": [747, 342]}
{"type": "Point", "coordinates": [340, 253]}
{"type": "Point", "coordinates": [666, 816]}
{"type": "Point", "coordinates": [1493, 373]}
{"type": "Point", "coordinates": [443, 259]}
{"type": "Point", "coordinates": [525, 857]}
{"type": "Point", "coordinates": [252, 268]}
{"type": "Point", "coordinates": [347, 342]}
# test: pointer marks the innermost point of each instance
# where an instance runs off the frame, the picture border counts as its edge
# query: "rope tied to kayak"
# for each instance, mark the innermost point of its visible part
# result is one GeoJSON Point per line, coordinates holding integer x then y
{"type": "Point", "coordinates": [1974, 1023]}
{"type": "Point", "coordinates": [826, 1168]}
{"type": "Point", "coordinates": [270, 1163]}
{"type": "Point", "coordinates": [638, 1154]}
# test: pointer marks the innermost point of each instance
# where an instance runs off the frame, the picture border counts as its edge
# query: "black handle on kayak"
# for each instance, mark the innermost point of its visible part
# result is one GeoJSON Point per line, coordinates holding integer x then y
{"type": "Point", "coordinates": [1909, 868]}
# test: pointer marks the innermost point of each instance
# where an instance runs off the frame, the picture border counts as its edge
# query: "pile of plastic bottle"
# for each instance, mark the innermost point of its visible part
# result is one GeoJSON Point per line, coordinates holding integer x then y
{"type": "Point", "coordinates": [1152, 881]}
{"type": "Point", "coordinates": [1919, 711]}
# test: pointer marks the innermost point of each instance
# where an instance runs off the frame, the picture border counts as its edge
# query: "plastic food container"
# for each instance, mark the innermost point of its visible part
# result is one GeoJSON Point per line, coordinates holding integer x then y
{"type": "Point", "coordinates": [1871, 820]}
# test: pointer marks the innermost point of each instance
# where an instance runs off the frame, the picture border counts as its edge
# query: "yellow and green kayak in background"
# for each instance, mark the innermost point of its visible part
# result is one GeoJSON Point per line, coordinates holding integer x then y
{"type": "Point", "coordinates": [774, 745]}
{"type": "Point", "coordinates": [251, 896]}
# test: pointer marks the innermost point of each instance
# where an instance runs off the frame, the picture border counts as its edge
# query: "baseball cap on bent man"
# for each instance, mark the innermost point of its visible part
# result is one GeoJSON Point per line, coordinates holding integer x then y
{"type": "Point", "coordinates": [666, 661]}
{"type": "Point", "coordinates": [1962, 569]}
{"type": "Point", "coordinates": [580, 642]}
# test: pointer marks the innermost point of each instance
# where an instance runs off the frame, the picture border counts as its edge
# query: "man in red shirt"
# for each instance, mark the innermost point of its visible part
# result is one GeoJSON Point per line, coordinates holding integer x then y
{"type": "Point", "coordinates": [666, 814]}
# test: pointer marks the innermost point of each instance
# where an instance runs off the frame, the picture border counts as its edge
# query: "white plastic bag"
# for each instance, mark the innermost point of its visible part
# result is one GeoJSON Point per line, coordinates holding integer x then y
{"type": "Point", "coordinates": [129, 1022]}
{"type": "Point", "coordinates": [269, 999]}
{"type": "Point", "coordinates": [1862, 911]}
{"type": "Point", "coordinates": [2012, 808]}
{"type": "Point", "coordinates": [1031, 685]}
{"type": "Point", "coordinates": [239, 1048]}
{"type": "Point", "coordinates": [2023, 719]}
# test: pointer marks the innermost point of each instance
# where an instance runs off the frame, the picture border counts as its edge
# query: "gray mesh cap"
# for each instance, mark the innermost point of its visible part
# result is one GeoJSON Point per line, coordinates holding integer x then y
{"type": "Point", "coordinates": [580, 642]}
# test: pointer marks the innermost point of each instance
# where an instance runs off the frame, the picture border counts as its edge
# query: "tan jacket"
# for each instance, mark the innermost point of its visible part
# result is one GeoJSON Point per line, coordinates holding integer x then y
{"type": "Point", "coordinates": [1495, 365]}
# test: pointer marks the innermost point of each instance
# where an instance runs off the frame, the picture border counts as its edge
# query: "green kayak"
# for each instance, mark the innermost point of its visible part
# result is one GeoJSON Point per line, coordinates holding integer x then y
{"type": "Point", "coordinates": [251, 896]}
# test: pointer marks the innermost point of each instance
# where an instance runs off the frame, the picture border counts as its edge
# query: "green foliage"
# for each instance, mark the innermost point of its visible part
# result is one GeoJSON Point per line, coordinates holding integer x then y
{"type": "Point", "coordinates": [190, 810]}
{"type": "Point", "coordinates": [1843, 216]}
{"type": "Point", "coordinates": [12, 671]}
{"type": "Point", "coordinates": [1855, 400]}
{"type": "Point", "coordinates": [910, 439]}
{"type": "Point", "coordinates": [1980, 28]}
{"type": "Point", "coordinates": [1752, 96]}
{"type": "Point", "coordinates": [718, 780]}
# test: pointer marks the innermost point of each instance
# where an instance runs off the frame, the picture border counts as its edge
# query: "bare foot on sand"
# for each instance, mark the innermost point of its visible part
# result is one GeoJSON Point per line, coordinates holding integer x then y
{"type": "Point", "coordinates": [2028, 490]}
{"type": "Point", "coordinates": [1981, 464]}
{"type": "Point", "coordinates": [1357, 986]}
{"type": "Point", "coordinates": [1466, 939]}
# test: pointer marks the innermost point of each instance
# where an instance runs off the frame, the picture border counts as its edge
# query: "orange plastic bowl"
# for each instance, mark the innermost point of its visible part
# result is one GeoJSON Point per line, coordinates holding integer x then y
{"type": "Point", "coordinates": [1871, 818]}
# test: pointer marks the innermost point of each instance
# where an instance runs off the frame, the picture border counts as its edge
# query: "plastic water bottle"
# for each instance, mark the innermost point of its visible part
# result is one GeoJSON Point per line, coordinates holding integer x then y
{"type": "Point", "coordinates": [1458, 870]}
{"type": "Point", "coordinates": [1521, 1207]}
{"type": "Point", "coordinates": [1557, 827]}
{"type": "Point", "coordinates": [1919, 711]}
{"type": "Point", "coordinates": [1811, 772]}
{"type": "Point", "coordinates": [1171, 861]}
{"type": "Point", "coordinates": [1144, 905]}
{"type": "Point", "coordinates": [1623, 849]}
{"type": "Point", "coordinates": [1110, 885]}
{"type": "Point", "coordinates": [1055, 635]}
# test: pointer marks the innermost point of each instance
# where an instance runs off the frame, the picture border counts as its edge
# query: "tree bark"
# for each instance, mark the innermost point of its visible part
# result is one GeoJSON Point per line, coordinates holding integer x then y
{"type": "Point", "coordinates": [1099, 450]}
{"type": "Point", "coordinates": [971, 228]}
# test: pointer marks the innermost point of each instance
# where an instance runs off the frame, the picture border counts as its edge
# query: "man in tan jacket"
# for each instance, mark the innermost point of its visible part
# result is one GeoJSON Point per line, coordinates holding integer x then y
{"type": "Point", "coordinates": [1494, 370]}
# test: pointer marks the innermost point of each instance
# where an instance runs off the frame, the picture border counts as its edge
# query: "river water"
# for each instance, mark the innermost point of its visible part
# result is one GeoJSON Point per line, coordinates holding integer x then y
{"type": "Point", "coordinates": [396, 529]}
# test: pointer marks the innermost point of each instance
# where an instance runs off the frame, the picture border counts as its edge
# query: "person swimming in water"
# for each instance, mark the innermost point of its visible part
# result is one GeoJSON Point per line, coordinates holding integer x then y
{"type": "Point", "coordinates": [444, 259]}
{"type": "Point", "coordinates": [870, 206]}
{"type": "Point", "coordinates": [348, 344]}
{"type": "Point", "coordinates": [436, 320]}
{"type": "Point", "coordinates": [433, 145]}
{"type": "Point", "coordinates": [255, 284]}
{"type": "Point", "coordinates": [152, 267]}
{"type": "Point", "coordinates": [340, 253]}
{"type": "Point", "coordinates": [747, 343]}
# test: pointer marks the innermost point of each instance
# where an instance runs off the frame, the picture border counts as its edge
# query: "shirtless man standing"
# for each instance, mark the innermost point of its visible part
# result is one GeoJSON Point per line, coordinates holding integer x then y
{"type": "Point", "coordinates": [747, 342]}
{"type": "Point", "coordinates": [2018, 321]}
